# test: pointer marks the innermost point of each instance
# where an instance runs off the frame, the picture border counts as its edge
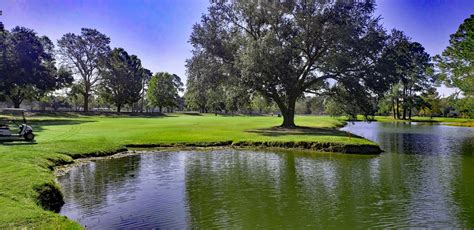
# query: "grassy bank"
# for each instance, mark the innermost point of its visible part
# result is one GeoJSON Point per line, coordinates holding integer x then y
{"type": "Point", "coordinates": [26, 169]}
{"type": "Point", "coordinates": [443, 120]}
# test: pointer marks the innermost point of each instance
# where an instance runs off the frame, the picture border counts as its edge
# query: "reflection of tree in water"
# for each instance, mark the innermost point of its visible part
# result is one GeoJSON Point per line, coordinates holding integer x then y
{"type": "Point", "coordinates": [464, 185]}
{"type": "Point", "coordinates": [234, 189]}
{"type": "Point", "coordinates": [289, 190]}
{"type": "Point", "coordinates": [91, 183]}
{"type": "Point", "coordinates": [251, 190]}
{"type": "Point", "coordinates": [467, 147]}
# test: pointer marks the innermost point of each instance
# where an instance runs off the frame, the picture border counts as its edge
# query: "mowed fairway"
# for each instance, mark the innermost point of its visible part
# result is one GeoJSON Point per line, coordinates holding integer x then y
{"type": "Point", "coordinates": [25, 167]}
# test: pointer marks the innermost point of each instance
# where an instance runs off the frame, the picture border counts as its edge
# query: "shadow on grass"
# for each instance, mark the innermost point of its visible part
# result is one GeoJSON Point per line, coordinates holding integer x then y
{"type": "Point", "coordinates": [79, 114]}
{"type": "Point", "coordinates": [301, 130]}
{"type": "Point", "coordinates": [192, 114]}
{"type": "Point", "coordinates": [244, 115]}
{"type": "Point", "coordinates": [53, 114]}
{"type": "Point", "coordinates": [39, 125]}
{"type": "Point", "coordinates": [20, 141]}
{"type": "Point", "coordinates": [133, 115]}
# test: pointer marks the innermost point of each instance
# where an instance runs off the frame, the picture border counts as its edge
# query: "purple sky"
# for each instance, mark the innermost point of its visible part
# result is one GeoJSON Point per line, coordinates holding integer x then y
{"type": "Point", "coordinates": [157, 31]}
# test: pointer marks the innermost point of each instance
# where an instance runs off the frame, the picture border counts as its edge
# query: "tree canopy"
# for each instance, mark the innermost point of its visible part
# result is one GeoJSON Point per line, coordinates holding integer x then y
{"type": "Point", "coordinates": [82, 54]}
{"type": "Point", "coordinates": [283, 50]}
{"type": "Point", "coordinates": [457, 60]}
{"type": "Point", "coordinates": [163, 90]}
{"type": "Point", "coordinates": [28, 67]}
{"type": "Point", "coordinates": [121, 78]}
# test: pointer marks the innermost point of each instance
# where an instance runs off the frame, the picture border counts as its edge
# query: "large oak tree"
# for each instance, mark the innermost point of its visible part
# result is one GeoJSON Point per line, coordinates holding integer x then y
{"type": "Point", "coordinates": [284, 50]}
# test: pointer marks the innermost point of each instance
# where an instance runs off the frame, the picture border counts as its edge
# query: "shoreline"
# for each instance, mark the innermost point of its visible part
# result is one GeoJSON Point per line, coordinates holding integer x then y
{"type": "Point", "coordinates": [139, 149]}
{"type": "Point", "coordinates": [50, 196]}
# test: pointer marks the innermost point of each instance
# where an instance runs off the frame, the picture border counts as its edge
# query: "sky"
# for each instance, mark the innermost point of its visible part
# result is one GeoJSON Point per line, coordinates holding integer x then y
{"type": "Point", "coordinates": [157, 31]}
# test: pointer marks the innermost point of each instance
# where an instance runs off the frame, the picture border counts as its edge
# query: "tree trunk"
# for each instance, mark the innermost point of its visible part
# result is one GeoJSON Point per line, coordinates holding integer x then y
{"type": "Point", "coordinates": [161, 109]}
{"type": "Point", "coordinates": [87, 90]}
{"type": "Point", "coordinates": [17, 99]}
{"type": "Point", "coordinates": [398, 109]}
{"type": "Point", "coordinates": [119, 106]}
{"type": "Point", "coordinates": [404, 113]}
{"type": "Point", "coordinates": [142, 99]}
{"type": "Point", "coordinates": [86, 102]}
{"type": "Point", "coordinates": [393, 109]}
{"type": "Point", "coordinates": [288, 119]}
{"type": "Point", "coordinates": [288, 113]}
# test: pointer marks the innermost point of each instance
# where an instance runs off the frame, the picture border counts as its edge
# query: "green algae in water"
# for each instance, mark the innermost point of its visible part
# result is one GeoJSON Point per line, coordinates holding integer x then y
{"type": "Point", "coordinates": [425, 179]}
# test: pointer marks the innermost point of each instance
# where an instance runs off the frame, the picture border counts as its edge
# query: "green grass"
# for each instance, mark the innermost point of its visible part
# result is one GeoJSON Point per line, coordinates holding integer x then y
{"type": "Point", "coordinates": [444, 120]}
{"type": "Point", "coordinates": [24, 167]}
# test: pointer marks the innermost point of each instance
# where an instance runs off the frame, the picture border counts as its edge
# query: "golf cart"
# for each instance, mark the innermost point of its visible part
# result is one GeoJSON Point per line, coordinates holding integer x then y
{"type": "Point", "coordinates": [17, 117]}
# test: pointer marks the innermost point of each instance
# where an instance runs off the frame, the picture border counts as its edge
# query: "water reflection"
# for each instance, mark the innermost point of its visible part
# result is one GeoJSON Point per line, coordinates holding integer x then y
{"type": "Point", "coordinates": [93, 182]}
{"type": "Point", "coordinates": [424, 179]}
{"type": "Point", "coordinates": [433, 158]}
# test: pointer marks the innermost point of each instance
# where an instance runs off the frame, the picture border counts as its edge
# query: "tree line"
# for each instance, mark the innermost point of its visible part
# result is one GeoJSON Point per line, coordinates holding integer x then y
{"type": "Point", "coordinates": [333, 57]}
{"type": "Point", "coordinates": [32, 68]}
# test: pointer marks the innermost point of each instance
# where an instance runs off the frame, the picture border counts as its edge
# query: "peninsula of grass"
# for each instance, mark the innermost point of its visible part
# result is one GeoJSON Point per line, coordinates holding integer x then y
{"type": "Point", "coordinates": [28, 188]}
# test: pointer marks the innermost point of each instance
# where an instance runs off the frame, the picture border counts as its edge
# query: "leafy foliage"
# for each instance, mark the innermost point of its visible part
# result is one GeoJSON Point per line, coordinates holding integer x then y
{"type": "Point", "coordinates": [285, 50]}
{"type": "Point", "coordinates": [457, 61]}
{"type": "Point", "coordinates": [163, 90]}
{"type": "Point", "coordinates": [410, 70]}
{"type": "Point", "coordinates": [122, 75]}
{"type": "Point", "coordinates": [28, 69]}
{"type": "Point", "coordinates": [82, 54]}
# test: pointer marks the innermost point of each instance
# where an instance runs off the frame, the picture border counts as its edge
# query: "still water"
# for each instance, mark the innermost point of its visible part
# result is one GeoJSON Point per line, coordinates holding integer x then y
{"type": "Point", "coordinates": [424, 179]}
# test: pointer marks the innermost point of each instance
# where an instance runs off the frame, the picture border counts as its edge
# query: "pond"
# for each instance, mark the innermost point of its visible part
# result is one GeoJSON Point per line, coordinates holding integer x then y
{"type": "Point", "coordinates": [425, 178]}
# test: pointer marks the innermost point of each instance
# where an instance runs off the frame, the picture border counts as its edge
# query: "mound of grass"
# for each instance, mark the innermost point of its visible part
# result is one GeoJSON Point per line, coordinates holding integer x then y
{"type": "Point", "coordinates": [26, 168]}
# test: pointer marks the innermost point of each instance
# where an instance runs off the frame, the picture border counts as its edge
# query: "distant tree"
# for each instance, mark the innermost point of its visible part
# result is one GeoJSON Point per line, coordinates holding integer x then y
{"type": "Point", "coordinates": [457, 61]}
{"type": "Point", "coordinates": [28, 66]}
{"type": "Point", "coordinates": [317, 105]}
{"type": "Point", "coordinates": [205, 76]}
{"type": "Point", "coordinates": [121, 78]}
{"type": "Point", "coordinates": [333, 108]}
{"type": "Point", "coordinates": [465, 106]}
{"type": "Point", "coordinates": [195, 97]}
{"type": "Point", "coordinates": [146, 76]}
{"type": "Point", "coordinates": [236, 98]}
{"type": "Point", "coordinates": [262, 104]}
{"type": "Point", "coordinates": [74, 95]}
{"type": "Point", "coordinates": [82, 54]}
{"type": "Point", "coordinates": [287, 49]}
{"type": "Point", "coordinates": [215, 99]}
{"type": "Point", "coordinates": [53, 101]}
{"type": "Point", "coordinates": [411, 71]}
{"type": "Point", "coordinates": [303, 105]}
{"type": "Point", "coordinates": [431, 103]}
{"type": "Point", "coordinates": [163, 90]}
